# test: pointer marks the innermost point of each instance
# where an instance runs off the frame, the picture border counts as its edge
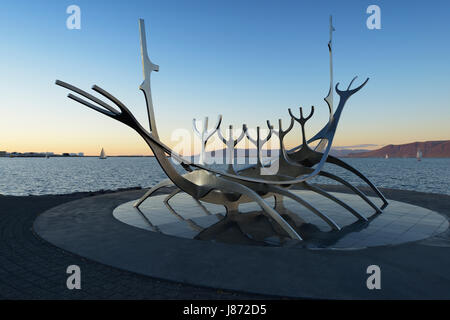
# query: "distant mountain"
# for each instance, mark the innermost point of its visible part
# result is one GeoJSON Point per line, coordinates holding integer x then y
{"type": "Point", "coordinates": [345, 152]}
{"type": "Point", "coordinates": [430, 149]}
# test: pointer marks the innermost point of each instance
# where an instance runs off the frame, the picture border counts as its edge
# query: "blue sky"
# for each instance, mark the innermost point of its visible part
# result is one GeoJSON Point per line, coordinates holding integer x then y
{"type": "Point", "coordinates": [248, 60]}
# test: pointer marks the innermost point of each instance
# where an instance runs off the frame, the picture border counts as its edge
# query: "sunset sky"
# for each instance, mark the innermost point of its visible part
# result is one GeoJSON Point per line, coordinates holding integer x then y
{"type": "Point", "coordinates": [247, 60]}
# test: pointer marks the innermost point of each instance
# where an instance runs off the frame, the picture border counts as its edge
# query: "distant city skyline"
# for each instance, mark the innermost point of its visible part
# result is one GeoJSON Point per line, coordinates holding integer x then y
{"type": "Point", "coordinates": [342, 150]}
{"type": "Point", "coordinates": [248, 61]}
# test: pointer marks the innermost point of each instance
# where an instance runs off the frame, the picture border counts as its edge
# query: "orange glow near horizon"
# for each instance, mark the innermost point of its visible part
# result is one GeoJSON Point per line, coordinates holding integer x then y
{"type": "Point", "coordinates": [125, 142]}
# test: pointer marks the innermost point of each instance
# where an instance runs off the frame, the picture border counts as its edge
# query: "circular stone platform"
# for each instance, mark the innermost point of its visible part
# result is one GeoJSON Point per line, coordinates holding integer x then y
{"type": "Point", "coordinates": [88, 228]}
{"type": "Point", "coordinates": [184, 217]}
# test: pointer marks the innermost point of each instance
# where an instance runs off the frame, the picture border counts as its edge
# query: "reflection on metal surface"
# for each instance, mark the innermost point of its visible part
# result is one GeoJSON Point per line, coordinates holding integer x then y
{"type": "Point", "coordinates": [250, 185]}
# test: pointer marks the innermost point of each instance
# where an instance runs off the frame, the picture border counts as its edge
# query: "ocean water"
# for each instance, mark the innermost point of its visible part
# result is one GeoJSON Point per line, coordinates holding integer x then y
{"type": "Point", "coordinates": [38, 176]}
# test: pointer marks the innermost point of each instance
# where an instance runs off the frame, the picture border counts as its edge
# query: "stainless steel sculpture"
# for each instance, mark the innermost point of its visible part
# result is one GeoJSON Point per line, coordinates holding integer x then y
{"type": "Point", "coordinates": [205, 135]}
{"type": "Point", "coordinates": [231, 188]}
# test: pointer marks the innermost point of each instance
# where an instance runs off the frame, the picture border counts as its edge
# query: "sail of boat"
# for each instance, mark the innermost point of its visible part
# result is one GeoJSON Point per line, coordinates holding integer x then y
{"type": "Point", "coordinates": [102, 154]}
{"type": "Point", "coordinates": [419, 155]}
{"type": "Point", "coordinates": [386, 156]}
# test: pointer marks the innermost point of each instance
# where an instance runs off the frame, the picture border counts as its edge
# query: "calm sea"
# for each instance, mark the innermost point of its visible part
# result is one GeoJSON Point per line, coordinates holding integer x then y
{"type": "Point", "coordinates": [37, 176]}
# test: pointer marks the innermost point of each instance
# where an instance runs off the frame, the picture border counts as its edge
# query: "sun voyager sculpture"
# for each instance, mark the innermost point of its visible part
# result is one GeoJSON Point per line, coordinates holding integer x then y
{"type": "Point", "coordinates": [231, 187]}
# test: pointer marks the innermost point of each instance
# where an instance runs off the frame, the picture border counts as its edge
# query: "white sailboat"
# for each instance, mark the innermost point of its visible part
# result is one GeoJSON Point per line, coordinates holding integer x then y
{"type": "Point", "coordinates": [102, 154]}
{"type": "Point", "coordinates": [419, 155]}
{"type": "Point", "coordinates": [386, 156]}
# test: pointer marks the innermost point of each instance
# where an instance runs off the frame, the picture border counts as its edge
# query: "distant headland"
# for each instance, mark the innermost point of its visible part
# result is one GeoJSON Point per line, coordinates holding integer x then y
{"type": "Point", "coordinates": [38, 154]}
{"type": "Point", "coordinates": [429, 149]}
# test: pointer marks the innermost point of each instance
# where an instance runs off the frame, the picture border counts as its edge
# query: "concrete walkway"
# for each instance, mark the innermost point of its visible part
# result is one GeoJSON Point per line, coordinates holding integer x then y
{"type": "Point", "coordinates": [31, 268]}
{"type": "Point", "coordinates": [409, 271]}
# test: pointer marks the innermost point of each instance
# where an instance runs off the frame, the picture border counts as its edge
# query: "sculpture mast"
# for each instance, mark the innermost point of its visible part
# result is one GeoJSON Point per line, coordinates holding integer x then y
{"type": "Point", "coordinates": [329, 98]}
{"type": "Point", "coordinates": [148, 67]}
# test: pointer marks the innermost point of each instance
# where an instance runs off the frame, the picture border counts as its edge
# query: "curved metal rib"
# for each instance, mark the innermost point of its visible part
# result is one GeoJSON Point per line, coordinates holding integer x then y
{"type": "Point", "coordinates": [333, 198]}
{"type": "Point", "coordinates": [171, 195]}
{"type": "Point", "coordinates": [237, 187]}
{"type": "Point", "coordinates": [176, 191]}
{"type": "Point", "coordinates": [191, 223]}
{"type": "Point", "coordinates": [306, 204]}
{"type": "Point", "coordinates": [345, 165]}
{"type": "Point", "coordinates": [353, 188]}
{"type": "Point", "coordinates": [154, 227]}
{"type": "Point", "coordinates": [205, 210]}
{"type": "Point", "coordinates": [279, 201]}
{"type": "Point", "coordinates": [162, 184]}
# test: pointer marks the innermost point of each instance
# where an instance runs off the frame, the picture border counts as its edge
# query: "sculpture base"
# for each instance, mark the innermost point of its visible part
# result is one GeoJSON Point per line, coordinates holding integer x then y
{"type": "Point", "coordinates": [86, 227]}
{"type": "Point", "coordinates": [184, 217]}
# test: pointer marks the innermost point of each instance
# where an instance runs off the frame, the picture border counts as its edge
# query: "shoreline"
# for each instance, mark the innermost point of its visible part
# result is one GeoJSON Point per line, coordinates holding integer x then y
{"type": "Point", "coordinates": [328, 187]}
{"type": "Point", "coordinates": [77, 193]}
{"type": "Point", "coordinates": [349, 156]}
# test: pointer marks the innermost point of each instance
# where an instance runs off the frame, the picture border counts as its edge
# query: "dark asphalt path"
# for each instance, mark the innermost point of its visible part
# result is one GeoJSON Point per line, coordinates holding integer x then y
{"type": "Point", "coordinates": [31, 268]}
